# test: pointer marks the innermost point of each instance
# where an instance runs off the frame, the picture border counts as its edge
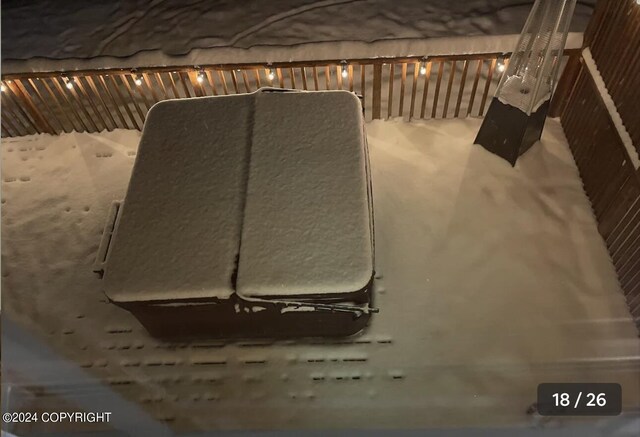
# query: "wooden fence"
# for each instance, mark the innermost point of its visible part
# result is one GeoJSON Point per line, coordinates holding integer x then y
{"type": "Point", "coordinates": [613, 37]}
{"type": "Point", "coordinates": [610, 179]}
{"type": "Point", "coordinates": [95, 100]}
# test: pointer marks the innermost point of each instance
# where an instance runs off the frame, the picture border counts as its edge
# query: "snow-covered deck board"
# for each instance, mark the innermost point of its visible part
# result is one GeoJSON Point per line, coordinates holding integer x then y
{"type": "Point", "coordinates": [493, 280]}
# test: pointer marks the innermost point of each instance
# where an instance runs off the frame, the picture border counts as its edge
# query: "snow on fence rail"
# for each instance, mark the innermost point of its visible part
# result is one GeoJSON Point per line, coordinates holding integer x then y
{"type": "Point", "coordinates": [95, 100]}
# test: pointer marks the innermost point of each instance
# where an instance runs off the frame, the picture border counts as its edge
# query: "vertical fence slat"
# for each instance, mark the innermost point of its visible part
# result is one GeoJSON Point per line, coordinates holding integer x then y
{"type": "Point", "coordinates": [130, 90]}
{"type": "Point", "coordinates": [303, 73]}
{"type": "Point", "coordinates": [245, 80]}
{"type": "Point", "coordinates": [172, 84]}
{"type": "Point", "coordinates": [69, 104]}
{"type": "Point", "coordinates": [452, 75]}
{"type": "Point", "coordinates": [223, 82]}
{"type": "Point", "coordinates": [350, 73]}
{"type": "Point", "coordinates": [234, 81]}
{"type": "Point", "coordinates": [416, 71]}
{"type": "Point", "coordinates": [5, 132]}
{"type": "Point", "coordinates": [280, 77]}
{"type": "Point", "coordinates": [107, 111]}
{"type": "Point", "coordinates": [391, 86]}
{"type": "Point", "coordinates": [315, 78]}
{"type": "Point", "coordinates": [43, 101]}
{"type": "Point", "coordinates": [9, 118]}
{"type": "Point", "coordinates": [12, 93]}
{"type": "Point", "coordinates": [425, 89]}
{"type": "Point", "coordinates": [485, 94]}
{"type": "Point", "coordinates": [163, 88]}
{"type": "Point", "coordinates": [147, 82]}
{"type": "Point", "coordinates": [116, 87]}
{"type": "Point", "coordinates": [436, 95]}
{"type": "Point", "coordinates": [212, 82]}
{"type": "Point", "coordinates": [114, 102]}
{"type": "Point", "coordinates": [403, 80]}
{"type": "Point", "coordinates": [362, 84]}
{"type": "Point", "coordinates": [183, 82]}
{"type": "Point", "coordinates": [57, 103]}
{"type": "Point", "coordinates": [463, 81]}
{"type": "Point", "coordinates": [474, 88]}
{"type": "Point", "coordinates": [256, 71]}
{"type": "Point", "coordinates": [327, 77]}
{"type": "Point", "coordinates": [377, 91]}
{"type": "Point", "coordinates": [33, 108]}
{"type": "Point", "coordinates": [75, 93]}
{"type": "Point", "coordinates": [292, 78]}
{"type": "Point", "coordinates": [94, 107]}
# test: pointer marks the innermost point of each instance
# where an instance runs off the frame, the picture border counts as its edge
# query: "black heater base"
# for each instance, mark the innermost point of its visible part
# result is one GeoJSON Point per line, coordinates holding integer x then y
{"type": "Point", "coordinates": [508, 132]}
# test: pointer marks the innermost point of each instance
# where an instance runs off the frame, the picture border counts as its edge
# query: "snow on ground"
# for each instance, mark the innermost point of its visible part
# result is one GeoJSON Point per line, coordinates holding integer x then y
{"type": "Point", "coordinates": [151, 32]}
{"type": "Point", "coordinates": [494, 279]}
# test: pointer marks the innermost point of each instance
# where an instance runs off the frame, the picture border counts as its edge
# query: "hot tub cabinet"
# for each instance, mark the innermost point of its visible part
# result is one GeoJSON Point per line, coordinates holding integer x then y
{"type": "Point", "coordinates": [246, 216]}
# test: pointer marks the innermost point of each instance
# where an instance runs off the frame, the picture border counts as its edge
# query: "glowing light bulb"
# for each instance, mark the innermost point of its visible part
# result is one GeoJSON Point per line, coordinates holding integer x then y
{"type": "Point", "coordinates": [68, 83]}
{"type": "Point", "coordinates": [272, 74]}
{"type": "Point", "coordinates": [501, 66]}
{"type": "Point", "coordinates": [423, 69]}
{"type": "Point", "coordinates": [200, 76]}
{"type": "Point", "coordinates": [3, 88]}
{"type": "Point", "coordinates": [137, 80]}
{"type": "Point", "coordinates": [344, 72]}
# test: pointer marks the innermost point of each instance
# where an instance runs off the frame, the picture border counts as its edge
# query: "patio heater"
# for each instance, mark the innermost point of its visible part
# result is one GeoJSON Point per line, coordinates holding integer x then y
{"type": "Point", "coordinates": [517, 113]}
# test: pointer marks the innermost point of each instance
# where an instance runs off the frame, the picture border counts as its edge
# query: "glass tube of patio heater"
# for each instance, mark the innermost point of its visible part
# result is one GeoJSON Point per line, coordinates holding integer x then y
{"type": "Point", "coordinates": [533, 69]}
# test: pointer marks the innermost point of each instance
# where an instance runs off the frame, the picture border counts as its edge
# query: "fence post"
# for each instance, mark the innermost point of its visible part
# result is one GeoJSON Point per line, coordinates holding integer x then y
{"type": "Point", "coordinates": [377, 90]}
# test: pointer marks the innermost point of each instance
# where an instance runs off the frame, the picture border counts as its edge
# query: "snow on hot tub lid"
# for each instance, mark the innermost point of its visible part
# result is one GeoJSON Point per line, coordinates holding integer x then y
{"type": "Point", "coordinates": [307, 224]}
{"type": "Point", "coordinates": [209, 183]}
{"type": "Point", "coordinates": [178, 231]}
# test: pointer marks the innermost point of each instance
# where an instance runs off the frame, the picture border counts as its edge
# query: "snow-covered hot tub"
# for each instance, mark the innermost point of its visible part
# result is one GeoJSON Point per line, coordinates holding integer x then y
{"type": "Point", "coordinates": [246, 215]}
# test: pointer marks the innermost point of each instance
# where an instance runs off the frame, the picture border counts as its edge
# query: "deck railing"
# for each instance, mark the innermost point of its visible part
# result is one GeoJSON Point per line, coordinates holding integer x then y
{"type": "Point", "coordinates": [610, 178]}
{"type": "Point", "coordinates": [95, 100]}
{"type": "Point", "coordinates": [613, 37]}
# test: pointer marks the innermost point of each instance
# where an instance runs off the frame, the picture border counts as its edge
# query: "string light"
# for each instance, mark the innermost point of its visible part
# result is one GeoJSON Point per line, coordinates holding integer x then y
{"type": "Point", "coordinates": [68, 83]}
{"type": "Point", "coordinates": [200, 76]}
{"type": "Point", "coordinates": [501, 66]}
{"type": "Point", "coordinates": [423, 68]}
{"type": "Point", "coordinates": [344, 72]}
{"type": "Point", "coordinates": [272, 74]}
{"type": "Point", "coordinates": [136, 77]}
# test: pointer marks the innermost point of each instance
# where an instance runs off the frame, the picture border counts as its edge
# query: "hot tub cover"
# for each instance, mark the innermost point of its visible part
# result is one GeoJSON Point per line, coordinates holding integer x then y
{"type": "Point", "coordinates": [265, 195]}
